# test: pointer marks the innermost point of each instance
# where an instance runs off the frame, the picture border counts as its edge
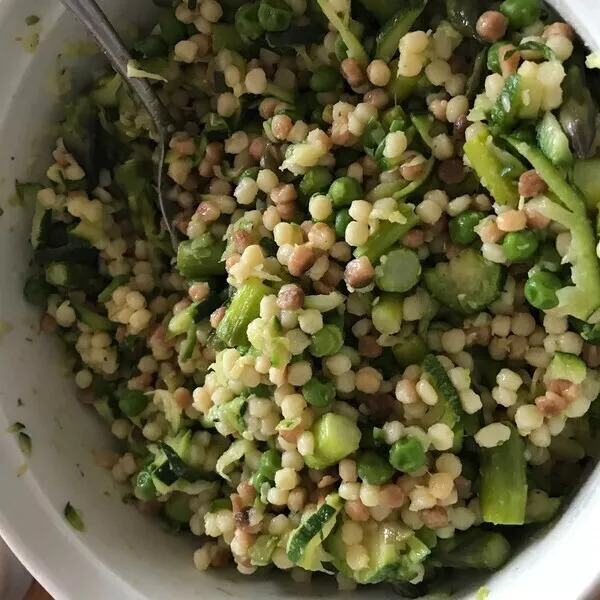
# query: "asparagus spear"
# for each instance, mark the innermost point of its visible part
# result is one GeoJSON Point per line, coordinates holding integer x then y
{"type": "Point", "coordinates": [503, 492]}
{"type": "Point", "coordinates": [475, 549]}
{"type": "Point", "coordinates": [387, 235]}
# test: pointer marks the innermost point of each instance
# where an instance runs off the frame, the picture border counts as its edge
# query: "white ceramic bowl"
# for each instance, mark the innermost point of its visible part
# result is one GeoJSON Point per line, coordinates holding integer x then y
{"type": "Point", "coordinates": [123, 555]}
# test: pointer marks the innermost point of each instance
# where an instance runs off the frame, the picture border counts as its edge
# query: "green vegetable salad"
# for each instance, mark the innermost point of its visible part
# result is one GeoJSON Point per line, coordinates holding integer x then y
{"type": "Point", "coordinates": [374, 351]}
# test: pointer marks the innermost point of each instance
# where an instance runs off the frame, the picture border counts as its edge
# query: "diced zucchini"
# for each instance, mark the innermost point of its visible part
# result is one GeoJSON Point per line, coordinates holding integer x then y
{"type": "Point", "coordinates": [336, 436]}
{"type": "Point", "coordinates": [566, 366]}
{"type": "Point", "coordinates": [467, 284]}
{"type": "Point", "coordinates": [553, 141]}
{"type": "Point", "coordinates": [503, 488]}
{"type": "Point", "coordinates": [304, 546]}
{"type": "Point", "coordinates": [261, 551]}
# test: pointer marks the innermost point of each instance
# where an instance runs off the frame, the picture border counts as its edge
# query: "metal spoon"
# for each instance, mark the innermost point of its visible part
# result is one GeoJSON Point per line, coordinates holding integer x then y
{"type": "Point", "coordinates": [89, 14]}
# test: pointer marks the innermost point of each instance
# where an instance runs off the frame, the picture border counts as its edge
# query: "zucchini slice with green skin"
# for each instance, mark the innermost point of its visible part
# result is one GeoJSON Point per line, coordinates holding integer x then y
{"type": "Point", "coordinates": [506, 108]}
{"type": "Point", "coordinates": [467, 284]}
{"type": "Point", "coordinates": [503, 488]}
{"type": "Point", "coordinates": [314, 529]}
{"type": "Point", "coordinates": [399, 25]}
{"type": "Point", "coordinates": [553, 141]}
{"type": "Point", "coordinates": [453, 410]}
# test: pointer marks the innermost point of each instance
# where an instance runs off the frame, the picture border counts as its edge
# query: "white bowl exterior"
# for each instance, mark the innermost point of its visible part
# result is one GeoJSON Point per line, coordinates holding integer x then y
{"type": "Point", "coordinates": [123, 555]}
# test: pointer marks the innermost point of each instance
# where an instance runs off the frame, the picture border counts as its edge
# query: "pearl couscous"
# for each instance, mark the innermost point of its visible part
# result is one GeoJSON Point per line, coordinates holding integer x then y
{"type": "Point", "coordinates": [377, 340]}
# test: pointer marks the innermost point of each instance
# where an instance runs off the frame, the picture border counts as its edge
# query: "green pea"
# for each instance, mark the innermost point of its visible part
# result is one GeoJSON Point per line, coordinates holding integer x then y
{"type": "Point", "coordinates": [493, 60]}
{"type": "Point", "coordinates": [407, 455]}
{"type": "Point", "coordinates": [520, 245]}
{"type": "Point", "coordinates": [36, 290]}
{"type": "Point", "coordinates": [541, 288]}
{"type": "Point", "coordinates": [342, 220]}
{"type": "Point", "coordinates": [462, 227]}
{"type": "Point", "coordinates": [326, 341]}
{"type": "Point", "coordinates": [315, 180]}
{"type": "Point", "coordinates": [373, 468]}
{"type": "Point", "coordinates": [319, 391]}
{"type": "Point", "coordinates": [410, 351]}
{"type": "Point", "coordinates": [325, 78]}
{"type": "Point", "coordinates": [344, 191]}
{"type": "Point", "coordinates": [152, 46]}
{"type": "Point", "coordinates": [247, 21]}
{"type": "Point", "coordinates": [274, 15]}
{"type": "Point", "coordinates": [145, 488]}
{"type": "Point", "coordinates": [521, 13]}
{"type": "Point", "coordinates": [132, 402]}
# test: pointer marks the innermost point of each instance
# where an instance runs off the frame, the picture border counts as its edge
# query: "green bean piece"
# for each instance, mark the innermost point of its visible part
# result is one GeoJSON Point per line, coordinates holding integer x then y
{"type": "Point", "coordinates": [387, 235]}
{"type": "Point", "coordinates": [225, 35]}
{"type": "Point", "coordinates": [247, 22]}
{"type": "Point", "coordinates": [319, 391]}
{"type": "Point", "coordinates": [244, 308]}
{"type": "Point", "coordinates": [463, 16]}
{"type": "Point", "coordinates": [504, 114]}
{"type": "Point", "coordinates": [344, 190]}
{"type": "Point", "coordinates": [325, 78]}
{"type": "Point", "coordinates": [396, 115]}
{"type": "Point", "coordinates": [315, 180]}
{"type": "Point", "coordinates": [342, 220]}
{"type": "Point", "coordinates": [387, 313]}
{"type": "Point", "coordinates": [407, 455]}
{"type": "Point", "coordinates": [326, 341]}
{"type": "Point", "coordinates": [91, 318]}
{"type": "Point", "coordinates": [374, 469]}
{"type": "Point", "coordinates": [503, 492]}
{"type": "Point", "coordinates": [410, 351]}
{"type": "Point", "coordinates": [399, 25]}
{"type": "Point", "coordinates": [152, 46]}
{"type": "Point", "coordinates": [36, 290]}
{"type": "Point", "coordinates": [132, 402]}
{"type": "Point", "coordinates": [274, 15]}
{"type": "Point", "coordinates": [201, 257]}
{"type": "Point", "coordinates": [520, 245]}
{"type": "Point", "coordinates": [521, 13]}
{"type": "Point", "coordinates": [106, 294]}
{"type": "Point", "coordinates": [171, 29]}
{"type": "Point", "coordinates": [399, 270]}
{"type": "Point", "coordinates": [462, 227]}
{"type": "Point", "coordinates": [541, 288]}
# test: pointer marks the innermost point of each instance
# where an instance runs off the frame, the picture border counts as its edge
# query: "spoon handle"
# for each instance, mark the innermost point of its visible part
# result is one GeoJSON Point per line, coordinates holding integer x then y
{"type": "Point", "coordinates": [89, 14]}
